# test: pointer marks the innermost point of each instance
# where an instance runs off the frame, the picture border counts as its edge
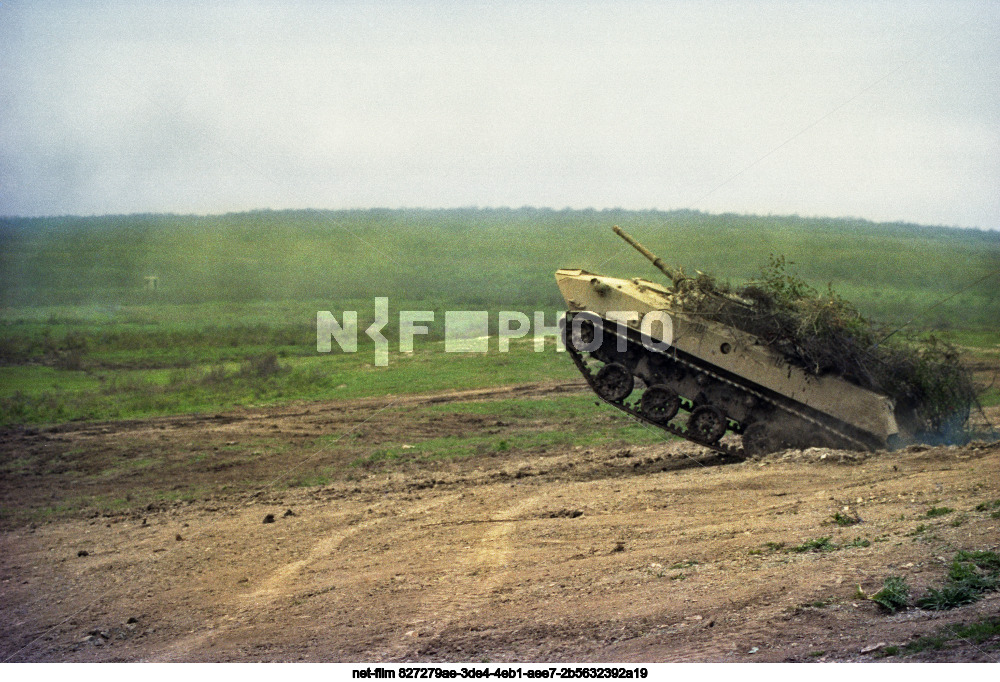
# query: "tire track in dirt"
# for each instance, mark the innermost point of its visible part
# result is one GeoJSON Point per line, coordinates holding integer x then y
{"type": "Point", "coordinates": [484, 570]}
{"type": "Point", "coordinates": [277, 585]}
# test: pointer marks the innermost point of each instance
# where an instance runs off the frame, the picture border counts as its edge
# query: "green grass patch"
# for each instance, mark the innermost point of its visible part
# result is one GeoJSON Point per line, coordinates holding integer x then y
{"type": "Point", "coordinates": [105, 504]}
{"type": "Point", "coordinates": [934, 512]}
{"type": "Point", "coordinates": [17, 465]}
{"type": "Point", "coordinates": [976, 633]}
{"type": "Point", "coordinates": [311, 480]}
{"type": "Point", "coordinates": [128, 465]}
{"type": "Point", "coordinates": [927, 643]}
{"type": "Point", "coordinates": [822, 544]}
{"type": "Point", "coordinates": [39, 394]}
{"type": "Point", "coordinates": [983, 559]}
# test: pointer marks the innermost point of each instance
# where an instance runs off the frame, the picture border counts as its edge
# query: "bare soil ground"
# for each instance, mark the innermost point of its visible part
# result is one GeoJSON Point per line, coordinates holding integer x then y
{"type": "Point", "coordinates": [651, 553]}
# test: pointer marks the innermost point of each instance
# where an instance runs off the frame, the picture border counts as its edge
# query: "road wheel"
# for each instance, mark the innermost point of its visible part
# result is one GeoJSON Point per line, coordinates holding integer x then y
{"type": "Point", "coordinates": [707, 423]}
{"type": "Point", "coordinates": [660, 403]}
{"type": "Point", "coordinates": [614, 382]}
{"type": "Point", "coordinates": [758, 440]}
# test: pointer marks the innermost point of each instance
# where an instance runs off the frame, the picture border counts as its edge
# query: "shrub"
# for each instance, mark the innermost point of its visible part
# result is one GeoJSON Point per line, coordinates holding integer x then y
{"type": "Point", "coordinates": [261, 366]}
{"type": "Point", "coordinates": [938, 511]}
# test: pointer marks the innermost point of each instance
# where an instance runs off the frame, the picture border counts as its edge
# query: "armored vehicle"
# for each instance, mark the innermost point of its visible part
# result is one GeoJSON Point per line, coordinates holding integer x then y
{"type": "Point", "coordinates": [646, 353]}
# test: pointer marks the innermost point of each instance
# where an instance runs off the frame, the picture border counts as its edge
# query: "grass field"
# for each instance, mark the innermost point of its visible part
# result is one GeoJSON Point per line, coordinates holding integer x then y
{"type": "Point", "coordinates": [232, 320]}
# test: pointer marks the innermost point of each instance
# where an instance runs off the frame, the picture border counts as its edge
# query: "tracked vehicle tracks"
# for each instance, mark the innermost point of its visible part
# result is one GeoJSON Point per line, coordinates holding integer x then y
{"type": "Point", "coordinates": [775, 423]}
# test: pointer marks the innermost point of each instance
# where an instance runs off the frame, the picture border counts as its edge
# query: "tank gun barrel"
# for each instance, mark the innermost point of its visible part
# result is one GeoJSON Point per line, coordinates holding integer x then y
{"type": "Point", "coordinates": [674, 275]}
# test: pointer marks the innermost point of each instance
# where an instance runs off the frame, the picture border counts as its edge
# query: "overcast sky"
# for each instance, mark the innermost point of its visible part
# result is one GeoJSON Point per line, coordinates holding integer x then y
{"type": "Point", "coordinates": [879, 110]}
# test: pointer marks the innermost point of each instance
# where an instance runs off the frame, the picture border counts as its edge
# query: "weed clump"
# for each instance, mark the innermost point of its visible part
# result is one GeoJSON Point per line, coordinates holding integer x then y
{"type": "Point", "coordinates": [986, 506]}
{"type": "Point", "coordinates": [824, 334]}
{"type": "Point", "coordinates": [938, 511]}
{"type": "Point", "coordinates": [971, 575]}
{"type": "Point", "coordinates": [845, 519]}
{"type": "Point", "coordinates": [261, 366]}
{"type": "Point", "coordinates": [822, 544]}
{"type": "Point", "coordinates": [894, 595]}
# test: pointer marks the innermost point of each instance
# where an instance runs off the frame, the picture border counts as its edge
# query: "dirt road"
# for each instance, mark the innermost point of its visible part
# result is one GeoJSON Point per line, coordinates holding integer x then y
{"type": "Point", "coordinates": [651, 553]}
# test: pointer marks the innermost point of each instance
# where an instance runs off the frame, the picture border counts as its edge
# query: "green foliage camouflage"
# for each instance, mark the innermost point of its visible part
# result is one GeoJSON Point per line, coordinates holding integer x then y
{"type": "Point", "coordinates": [825, 334]}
